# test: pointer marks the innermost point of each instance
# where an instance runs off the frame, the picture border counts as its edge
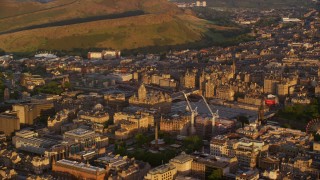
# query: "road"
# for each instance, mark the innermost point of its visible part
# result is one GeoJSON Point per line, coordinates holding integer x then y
{"type": "Point", "coordinates": [224, 112]}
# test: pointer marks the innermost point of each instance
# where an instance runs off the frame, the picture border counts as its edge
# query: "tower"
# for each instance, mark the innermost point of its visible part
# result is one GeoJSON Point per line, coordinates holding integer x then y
{"type": "Point", "coordinates": [188, 80]}
{"type": "Point", "coordinates": [261, 112]}
{"type": "Point", "coordinates": [202, 82]}
{"type": "Point", "coordinates": [234, 68]}
{"type": "Point", "coordinates": [209, 89]}
{"type": "Point", "coordinates": [204, 4]}
{"type": "Point", "coordinates": [142, 93]}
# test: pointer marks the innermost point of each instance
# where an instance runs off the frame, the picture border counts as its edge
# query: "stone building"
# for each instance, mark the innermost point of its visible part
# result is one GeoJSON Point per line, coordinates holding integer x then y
{"type": "Point", "coordinates": [279, 85]}
{"type": "Point", "coordinates": [6, 174]}
{"type": "Point", "coordinates": [209, 91]}
{"type": "Point", "coordinates": [27, 113]}
{"type": "Point", "coordinates": [40, 164]}
{"type": "Point", "coordinates": [251, 98]}
{"type": "Point", "coordinates": [122, 167]}
{"type": "Point", "coordinates": [88, 139]}
{"type": "Point", "coordinates": [66, 169]}
{"type": "Point", "coordinates": [269, 163]}
{"type": "Point", "coordinates": [204, 127]}
{"type": "Point", "coordinates": [246, 150]}
{"type": "Point", "coordinates": [163, 80]}
{"type": "Point", "coordinates": [188, 81]}
{"type": "Point", "coordinates": [55, 123]}
{"type": "Point", "coordinates": [177, 124]}
{"type": "Point", "coordinates": [99, 117]}
{"type": "Point", "coordinates": [225, 93]}
{"type": "Point", "coordinates": [9, 122]}
{"type": "Point", "coordinates": [163, 172]}
{"type": "Point", "coordinates": [130, 123]}
{"type": "Point", "coordinates": [31, 81]}
{"type": "Point", "coordinates": [202, 166]}
{"type": "Point", "coordinates": [270, 85]}
{"type": "Point", "coordinates": [251, 174]}
{"type": "Point", "coordinates": [183, 163]}
{"type": "Point", "coordinates": [223, 147]}
{"type": "Point", "coordinates": [30, 141]}
{"type": "Point", "coordinates": [151, 99]}
{"type": "Point", "coordinates": [298, 167]}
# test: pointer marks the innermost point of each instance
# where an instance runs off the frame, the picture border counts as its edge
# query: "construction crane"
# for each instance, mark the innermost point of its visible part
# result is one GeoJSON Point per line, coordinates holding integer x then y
{"type": "Point", "coordinates": [194, 113]}
{"type": "Point", "coordinates": [214, 115]}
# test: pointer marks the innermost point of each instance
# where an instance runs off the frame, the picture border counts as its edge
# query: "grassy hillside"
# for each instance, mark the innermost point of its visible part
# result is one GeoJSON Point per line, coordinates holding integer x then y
{"type": "Point", "coordinates": [65, 25]}
{"type": "Point", "coordinates": [10, 8]}
{"type": "Point", "coordinates": [127, 33]}
{"type": "Point", "coordinates": [18, 14]}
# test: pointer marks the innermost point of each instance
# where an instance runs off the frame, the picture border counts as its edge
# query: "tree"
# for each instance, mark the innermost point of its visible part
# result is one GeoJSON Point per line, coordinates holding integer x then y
{"type": "Point", "coordinates": [243, 119]}
{"type": "Point", "coordinates": [298, 112]}
{"type": "Point", "coordinates": [67, 85]}
{"type": "Point", "coordinates": [39, 70]}
{"type": "Point", "coordinates": [140, 139]}
{"type": "Point", "coordinates": [215, 175]}
{"type": "Point", "coordinates": [107, 123]}
{"type": "Point", "coordinates": [50, 88]}
{"type": "Point", "coordinates": [192, 143]}
{"type": "Point", "coordinates": [44, 116]}
{"type": "Point", "coordinates": [264, 22]}
{"type": "Point", "coordinates": [120, 148]}
{"type": "Point", "coordinates": [317, 137]}
{"type": "Point", "coordinates": [168, 139]}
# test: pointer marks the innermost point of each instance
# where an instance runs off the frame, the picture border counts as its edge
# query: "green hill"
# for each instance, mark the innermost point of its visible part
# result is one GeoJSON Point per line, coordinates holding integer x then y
{"type": "Point", "coordinates": [16, 14]}
{"type": "Point", "coordinates": [67, 25]}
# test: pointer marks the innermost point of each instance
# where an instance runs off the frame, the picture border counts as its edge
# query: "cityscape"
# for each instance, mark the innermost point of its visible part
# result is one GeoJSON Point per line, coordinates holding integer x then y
{"type": "Point", "coordinates": [242, 103]}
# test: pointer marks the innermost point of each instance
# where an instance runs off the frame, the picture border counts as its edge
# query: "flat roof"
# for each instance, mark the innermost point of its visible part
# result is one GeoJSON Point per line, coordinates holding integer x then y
{"type": "Point", "coordinates": [79, 132]}
{"type": "Point", "coordinates": [81, 166]}
{"type": "Point", "coordinates": [182, 158]}
{"type": "Point", "coordinates": [211, 162]}
{"type": "Point", "coordinates": [162, 169]}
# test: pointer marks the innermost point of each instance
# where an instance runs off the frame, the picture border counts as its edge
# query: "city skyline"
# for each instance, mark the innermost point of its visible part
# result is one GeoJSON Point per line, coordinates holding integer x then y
{"type": "Point", "coordinates": [160, 90]}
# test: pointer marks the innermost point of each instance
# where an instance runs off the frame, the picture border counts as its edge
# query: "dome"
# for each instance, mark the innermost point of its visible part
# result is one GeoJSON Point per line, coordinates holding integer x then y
{"type": "Point", "coordinates": [98, 107]}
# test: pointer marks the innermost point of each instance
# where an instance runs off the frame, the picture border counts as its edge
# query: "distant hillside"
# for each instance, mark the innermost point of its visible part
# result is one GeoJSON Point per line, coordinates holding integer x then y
{"type": "Point", "coordinates": [67, 25]}
{"type": "Point", "coordinates": [259, 4]}
{"type": "Point", "coordinates": [10, 8]}
{"type": "Point", "coordinates": [17, 14]}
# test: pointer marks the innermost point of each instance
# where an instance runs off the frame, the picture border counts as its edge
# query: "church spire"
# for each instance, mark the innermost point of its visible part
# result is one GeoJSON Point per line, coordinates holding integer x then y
{"type": "Point", "coordinates": [234, 67]}
{"type": "Point", "coordinates": [157, 133]}
{"type": "Point", "coordinates": [142, 92]}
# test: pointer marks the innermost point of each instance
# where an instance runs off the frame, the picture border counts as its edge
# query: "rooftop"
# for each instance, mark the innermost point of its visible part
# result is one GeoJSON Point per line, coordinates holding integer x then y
{"type": "Point", "coordinates": [9, 114]}
{"type": "Point", "coordinates": [80, 132]}
{"type": "Point", "coordinates": [162, 169]}
{"type": "Point", "coordinates": [80, 166]}
{"type": "Point", "coordinates": [182, 158]}
{"type": "Point", "coordinates": [211, 162]}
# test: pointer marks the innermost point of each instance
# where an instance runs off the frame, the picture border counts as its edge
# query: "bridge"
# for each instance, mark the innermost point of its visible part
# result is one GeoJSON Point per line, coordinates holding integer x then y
{"type": "Point", "coordinates": [180, 96]}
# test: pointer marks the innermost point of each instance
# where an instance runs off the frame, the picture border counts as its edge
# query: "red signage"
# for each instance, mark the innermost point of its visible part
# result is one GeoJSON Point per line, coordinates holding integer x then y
{"type": "Point", "coordinates": [270, 102]}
